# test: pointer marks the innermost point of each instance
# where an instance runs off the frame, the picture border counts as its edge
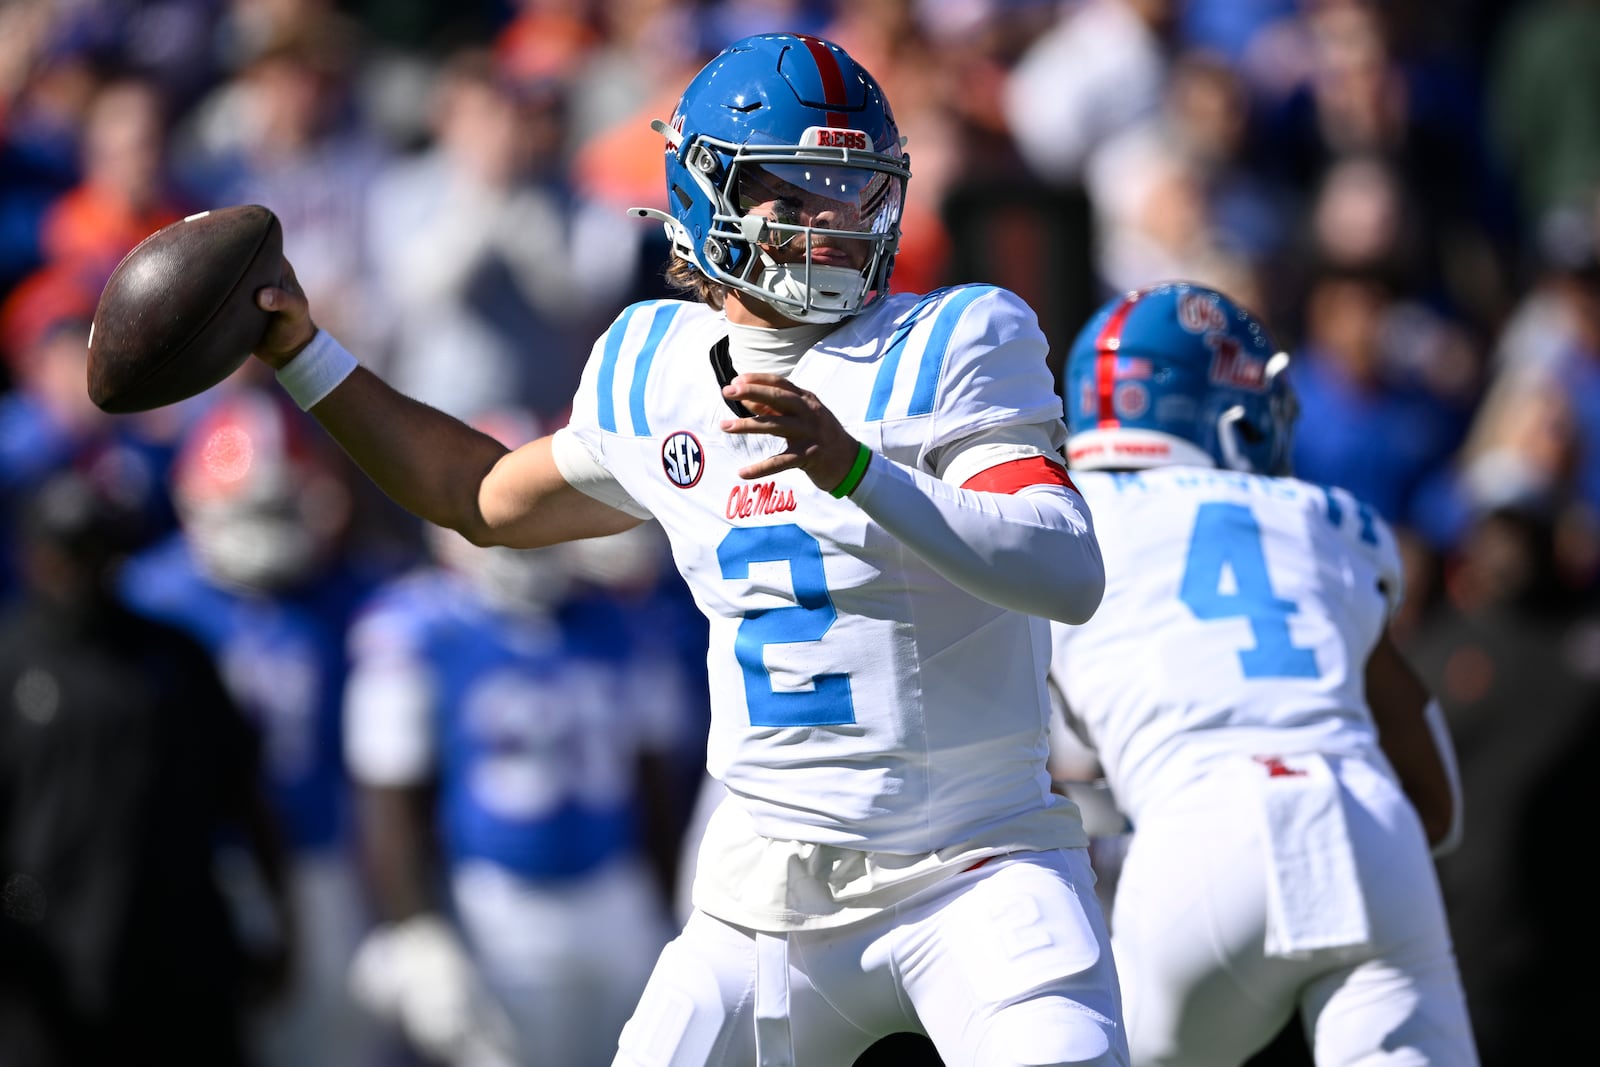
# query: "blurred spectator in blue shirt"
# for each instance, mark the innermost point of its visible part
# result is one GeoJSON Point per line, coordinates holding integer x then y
{"type": "Point", "coordinates": [1366, 426]}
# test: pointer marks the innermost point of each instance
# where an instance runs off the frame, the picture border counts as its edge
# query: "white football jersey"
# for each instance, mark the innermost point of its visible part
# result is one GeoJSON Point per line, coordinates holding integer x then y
{"type": "Point", "coordinates": [858, 698]}
{"type": "Point", "coordinates": [1237, 606]}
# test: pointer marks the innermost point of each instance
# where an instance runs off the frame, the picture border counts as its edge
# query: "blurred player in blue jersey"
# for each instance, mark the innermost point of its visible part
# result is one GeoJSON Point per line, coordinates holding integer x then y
{"type": "Point", "coordinates": [261, 574]}
{"type": "Point", "coordinates": [866, 495]}
{"type": "Point", "coordinates": [509, 736]}
{"type": "Point", "coordinates": [1283, 769]}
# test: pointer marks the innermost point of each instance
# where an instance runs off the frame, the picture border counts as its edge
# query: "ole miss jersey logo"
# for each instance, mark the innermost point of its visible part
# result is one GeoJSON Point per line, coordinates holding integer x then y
{"type": "Point", "coordinates": [683, 459]}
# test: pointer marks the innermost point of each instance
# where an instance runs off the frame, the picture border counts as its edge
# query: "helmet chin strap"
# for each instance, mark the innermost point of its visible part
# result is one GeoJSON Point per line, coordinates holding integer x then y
{"type": "Point", "coordinates": [833, 293]}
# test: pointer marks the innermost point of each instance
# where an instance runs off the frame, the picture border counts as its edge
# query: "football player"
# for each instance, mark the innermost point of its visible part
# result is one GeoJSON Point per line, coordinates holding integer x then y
{"type": "Point", "coordinates": [1284, 771]}
{"type": "Point", "coordinates": [263, 573]}
{"type": "Point", "coordinates": [866, 494]}
{"type": "Point", "coordinates": [507, 734]}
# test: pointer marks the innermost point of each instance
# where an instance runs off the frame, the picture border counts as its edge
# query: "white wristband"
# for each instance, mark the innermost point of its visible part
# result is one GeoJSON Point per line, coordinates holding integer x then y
{"type": "Point", "coordinates": [312, 374]}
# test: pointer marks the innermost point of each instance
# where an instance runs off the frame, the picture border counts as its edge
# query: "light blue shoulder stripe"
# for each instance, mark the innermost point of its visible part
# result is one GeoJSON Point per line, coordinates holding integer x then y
{"type": "Point", "coordinates": [883, 384]}
{"type": "Point", "coordinates": [944, 327]}
{"type": "Point", "coordinates": [663, 312]}
{"type": "Point", "coordinates": [953, 303]}
{"type": "Point", "coordinates": [605, 381]}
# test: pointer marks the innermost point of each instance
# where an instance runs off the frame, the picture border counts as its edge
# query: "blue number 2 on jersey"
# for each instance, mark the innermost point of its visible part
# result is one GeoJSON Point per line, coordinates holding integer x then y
{"type": "Point", "coordinates": [1228, 536]}
{"type": "Point", "coordinates": [829, 701]}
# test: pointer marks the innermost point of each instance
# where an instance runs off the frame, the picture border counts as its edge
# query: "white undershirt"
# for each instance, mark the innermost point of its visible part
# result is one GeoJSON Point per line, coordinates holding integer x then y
{"type": "Point", "coordinates": [765, 350]}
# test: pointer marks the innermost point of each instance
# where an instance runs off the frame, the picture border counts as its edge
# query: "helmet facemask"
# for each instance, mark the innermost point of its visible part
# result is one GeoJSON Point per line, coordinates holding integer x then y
{"type": "Point", "coordinates": [776, 209]}
{"type": "Point", "coordinates": [786, 177]}
{"type": "Point", "coordinates": [1245, 446]}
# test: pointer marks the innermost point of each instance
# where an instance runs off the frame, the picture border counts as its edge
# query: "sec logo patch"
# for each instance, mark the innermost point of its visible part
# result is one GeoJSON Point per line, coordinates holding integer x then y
{"type": "Point", "coordinates": [683, 459]}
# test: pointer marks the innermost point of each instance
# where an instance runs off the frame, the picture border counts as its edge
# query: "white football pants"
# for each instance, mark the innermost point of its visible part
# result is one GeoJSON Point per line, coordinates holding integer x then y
{"type": "Point", "coordinates": [1004, 965]}
{"type": "Point", "coordinates": [1189, 929]}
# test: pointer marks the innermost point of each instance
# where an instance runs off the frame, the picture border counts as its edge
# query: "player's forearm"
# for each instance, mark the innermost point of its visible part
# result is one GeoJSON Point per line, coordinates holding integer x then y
{"type": "Point", "coordinates": [401, 866]}
{"type": "Point", "coordinates": [1033, 551]}
{"type": "Point", "coordinates": [428, 462]}
{"type": "Point", "coordinates": [1416, 741]}
{"type": "Point", "coordinates": [1425, 765]}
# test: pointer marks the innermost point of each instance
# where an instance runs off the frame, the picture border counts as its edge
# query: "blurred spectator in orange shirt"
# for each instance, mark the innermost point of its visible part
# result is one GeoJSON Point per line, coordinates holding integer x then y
{"type": "Point", "coordinates": [125, 193]}
{"type": "Point", "coordinates": [547, 39]}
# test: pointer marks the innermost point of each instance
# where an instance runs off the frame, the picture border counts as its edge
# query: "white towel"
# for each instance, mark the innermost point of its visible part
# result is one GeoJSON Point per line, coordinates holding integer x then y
{"type": "Point", "coordinates": [1314, 898]}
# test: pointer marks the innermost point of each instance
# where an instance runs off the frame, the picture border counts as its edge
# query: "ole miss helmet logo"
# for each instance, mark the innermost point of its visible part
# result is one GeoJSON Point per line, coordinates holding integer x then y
{"type": "Point", "coordinates": [683, 459]}
{"type": "Point", "coordinates": [835, 137]}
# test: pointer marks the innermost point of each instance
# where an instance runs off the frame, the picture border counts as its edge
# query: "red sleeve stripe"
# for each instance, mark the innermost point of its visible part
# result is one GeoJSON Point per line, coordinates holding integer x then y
{"type": "Point", "coordinates": [833, 90]}
{"type": "Point", "coordinates": [1019, 474]}
{"type": "Point", "coordinates": [1105, 366]}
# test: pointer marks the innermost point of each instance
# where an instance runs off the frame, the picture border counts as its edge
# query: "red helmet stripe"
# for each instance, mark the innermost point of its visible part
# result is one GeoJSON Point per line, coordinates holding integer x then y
{"type": "Point", "coordinates": [1105, 367]}
{"type": "Point", "coordinates": [833, 91]}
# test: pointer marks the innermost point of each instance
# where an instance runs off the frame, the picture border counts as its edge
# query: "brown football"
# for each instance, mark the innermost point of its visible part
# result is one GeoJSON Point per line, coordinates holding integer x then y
{"type": "Point", "coordinates": [179, 314]}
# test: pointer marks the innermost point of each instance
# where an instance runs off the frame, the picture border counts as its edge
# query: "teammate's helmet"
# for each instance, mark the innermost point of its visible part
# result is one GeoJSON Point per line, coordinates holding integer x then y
{"type": "Point", "coordinates": [793, 123]}
{"type": "Point", "coordinates": [257, 494]}
{"type": "Point", "coordinates": [1177, 374]}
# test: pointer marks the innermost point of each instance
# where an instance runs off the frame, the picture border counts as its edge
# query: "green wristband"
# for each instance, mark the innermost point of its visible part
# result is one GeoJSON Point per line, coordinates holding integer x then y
{"type": "Point", "coordinates": [858, 470]}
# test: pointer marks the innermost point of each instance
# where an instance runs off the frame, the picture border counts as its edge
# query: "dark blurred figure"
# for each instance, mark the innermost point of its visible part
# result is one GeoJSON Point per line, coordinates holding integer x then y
{"type": "Point", "coordinates": [1541, 79]}
{"type": "Point", "coordinates": [122, 763]}
{"type": "Point", "coordinates": [48, 423]}
{"type": "Point", "coordinates": [900, 1050]}
{"type": "Point", "coordinates": [1513, 650]}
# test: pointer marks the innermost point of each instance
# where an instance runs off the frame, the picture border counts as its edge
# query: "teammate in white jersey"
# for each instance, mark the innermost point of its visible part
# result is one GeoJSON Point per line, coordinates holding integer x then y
{"type": "Point", "coordinates": [1283, 769]}
{"type": "Point", "coordinates": [865, 492]}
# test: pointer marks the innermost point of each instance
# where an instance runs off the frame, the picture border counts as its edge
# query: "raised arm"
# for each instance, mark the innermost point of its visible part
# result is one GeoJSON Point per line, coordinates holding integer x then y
{"type": "Point", "coordinates": [1030, 547]}
{"type": "Point", "coordinates": [431, 463]}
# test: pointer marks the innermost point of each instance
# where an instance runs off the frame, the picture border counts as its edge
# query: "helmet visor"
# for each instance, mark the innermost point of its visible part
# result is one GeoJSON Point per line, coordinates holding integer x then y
{"type": "Point", "coordinates": [827, 196]}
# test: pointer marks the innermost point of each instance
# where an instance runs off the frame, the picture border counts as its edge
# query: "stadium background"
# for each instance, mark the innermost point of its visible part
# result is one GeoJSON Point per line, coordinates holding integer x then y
{"type": "Point", "coordinates": [1409, 192]}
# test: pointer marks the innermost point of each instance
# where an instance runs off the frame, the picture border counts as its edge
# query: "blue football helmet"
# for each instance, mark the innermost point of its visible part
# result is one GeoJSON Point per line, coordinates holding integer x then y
{"type": "Point", "coordinates": [1178, 374]}
{"type": "Point", "coordinates": [784, 142]}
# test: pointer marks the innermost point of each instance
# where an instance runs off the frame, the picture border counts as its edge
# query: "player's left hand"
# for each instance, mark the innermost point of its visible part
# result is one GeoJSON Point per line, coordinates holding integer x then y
{"type": "Point", "coordinates": [815, 442]}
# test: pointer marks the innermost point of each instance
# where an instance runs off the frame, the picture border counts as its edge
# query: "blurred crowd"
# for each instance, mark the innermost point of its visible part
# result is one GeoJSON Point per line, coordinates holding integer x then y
{"type": "Point", "coordinates": [1408, 192]}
